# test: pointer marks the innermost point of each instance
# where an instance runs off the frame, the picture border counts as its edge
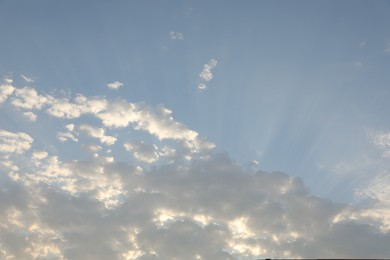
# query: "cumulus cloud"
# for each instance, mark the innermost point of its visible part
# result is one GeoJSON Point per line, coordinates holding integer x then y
{"type": "Point", "coordinates": [65, 136]}
{"type": "Point", "coordinates": [176, 35]}
{"type": "Point", "coordinates": [98, 133]}
{"type": "Point", "coordinates": [202, 86]}
{"type": "Point", "coordinates": [204, 207]}
{"type": "Point", "coordinates": [30, 116]}
{"type": "Point", "coordinates": [28, 98]}
{"type": "Point", "coordinates": [64, 108]}
{"type": "Point", "coordinates": [6, 89]}
{"type": "Point", "coordinates": [209, 209]}
{"type": "Point", "coordinates": [115, 85]}
{"type": "Point", "coordinates": [16, 143]}
{"type": "Point", "coordinates": [206, 73]}
{"type": "Point", "coordinates": [143, 152]}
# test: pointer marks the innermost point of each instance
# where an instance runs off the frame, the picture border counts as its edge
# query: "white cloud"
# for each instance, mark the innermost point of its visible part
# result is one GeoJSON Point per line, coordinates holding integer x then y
{"type": "Point", "coordinates": [202, 86]}
{"type": "Point", "coordinates": [382, 141]}
{"type": "Point", "coordinates": [27, 78]}
{"type": "Point", "coordinates": [157, 121]}
{"type": "Point", "coordinates": [16, 143]}
{"type": "Point", "coordinates": [30, 116]}
{"type": "Point", "coordinates": [70, 127]}
{"type": "Point", "coordinates": [176, 36]}
{"type": "Point", "coordinates": [209, 207]}
{"type": "Point", "coordinates": [63, 108]}
{"type": "Point", "coordinates": [206, 73]}
{"type": "Point", "coordinates": [6, 90]}
{"type": "Point", "coordinates": [28, 98]}
{"type": "Point", "coordinates": [39, 155]}
{"type": "Point", "coordinates": [98, 133]}
{"type": "Point", "coordinates": [143, 152]}
{"type": "Point", "coordinates": [65, 136]}
{"type": "Point", "coordinates": [175, 210]}
{"type": "Point", "coordinates": [115, 85]}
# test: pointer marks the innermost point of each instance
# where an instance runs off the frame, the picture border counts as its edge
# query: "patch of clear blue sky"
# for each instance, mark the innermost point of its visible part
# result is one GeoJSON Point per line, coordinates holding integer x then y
{"type": "Point", "coordinates": [286, 83]}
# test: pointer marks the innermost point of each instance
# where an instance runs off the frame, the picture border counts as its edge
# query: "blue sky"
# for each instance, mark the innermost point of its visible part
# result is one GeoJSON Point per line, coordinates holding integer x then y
{"type": "Point", "coordinates": [298, 87]}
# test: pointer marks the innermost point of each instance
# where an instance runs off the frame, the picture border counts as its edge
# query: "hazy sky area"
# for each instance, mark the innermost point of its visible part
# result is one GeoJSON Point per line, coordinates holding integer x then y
{"type": "Point", "coordinates": [194, 129]}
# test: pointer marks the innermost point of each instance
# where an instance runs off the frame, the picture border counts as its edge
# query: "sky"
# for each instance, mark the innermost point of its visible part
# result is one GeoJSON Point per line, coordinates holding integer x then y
{"type": "Point", "coordinates": [194, 129]}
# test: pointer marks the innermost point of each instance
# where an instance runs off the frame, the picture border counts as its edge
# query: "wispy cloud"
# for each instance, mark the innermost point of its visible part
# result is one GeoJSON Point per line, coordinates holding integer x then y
{"type": "Point", "coordinates": [382, 141]}
{"type": "Point", "coordinates": [176, 35]}
{"type": "Point", "coordinates": [27, 78]}
{"type": "Point", "coordinates": [387, 50]}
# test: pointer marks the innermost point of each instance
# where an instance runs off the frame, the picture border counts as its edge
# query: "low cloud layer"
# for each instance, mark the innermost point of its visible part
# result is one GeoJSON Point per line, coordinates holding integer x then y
{"type": "Point", "coordinates": [174, 198]}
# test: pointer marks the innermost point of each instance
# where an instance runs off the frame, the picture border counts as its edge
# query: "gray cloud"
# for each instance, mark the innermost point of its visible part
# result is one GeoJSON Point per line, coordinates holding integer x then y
{"type": "Point", "coordinates": [208, 209]}
{"type": "Point", "coordinates": [190, 204]}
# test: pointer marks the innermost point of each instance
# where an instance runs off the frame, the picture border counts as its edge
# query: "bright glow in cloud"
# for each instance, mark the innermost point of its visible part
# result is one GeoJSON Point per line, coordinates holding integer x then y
{"type": "Point", "coordinates": [193, 205]}
{"type": "Point", "coordinates": [115, 85]}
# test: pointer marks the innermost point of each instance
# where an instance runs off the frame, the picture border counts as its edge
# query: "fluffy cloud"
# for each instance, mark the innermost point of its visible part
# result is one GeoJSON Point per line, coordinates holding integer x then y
{"type": "Point", "coordinates": [28, 98]}
{"type": "Point", "coordinates": [30, 116]}
{"type": "Point", "coordinates": [98, 133]}
{"type": "Point", "coordinates": [204, 207]}
{"type": "Point", "coordinates": [115, 85]}
{"type": "Point", "coordinates": [377, 191]}
{"type": "Point", "coordinates": [6, 90]}
{"type": "Point", "coordinates": [209, 209]}
{"type": "Point", "coordinates": [382, 141]}
{"type": "Point", "coordinates": [16, 143]}
{"type": "Point", "coordinates": [206, 73]}
{"type": "Point", "coordinates": [68, 135]}
{"type": "Point", "coordinates": [143, 152]}
{"type": "Point", "coordinates": [63, 108]}
{"type": "Point", "coordinates": [157, 121]}
{"type": "Point", "coordinates": [202, 86]}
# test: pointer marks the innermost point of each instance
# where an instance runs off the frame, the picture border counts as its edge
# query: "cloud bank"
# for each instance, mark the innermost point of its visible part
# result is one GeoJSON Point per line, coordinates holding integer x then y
{"type": "Point", "coordinates": [175, 198]}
